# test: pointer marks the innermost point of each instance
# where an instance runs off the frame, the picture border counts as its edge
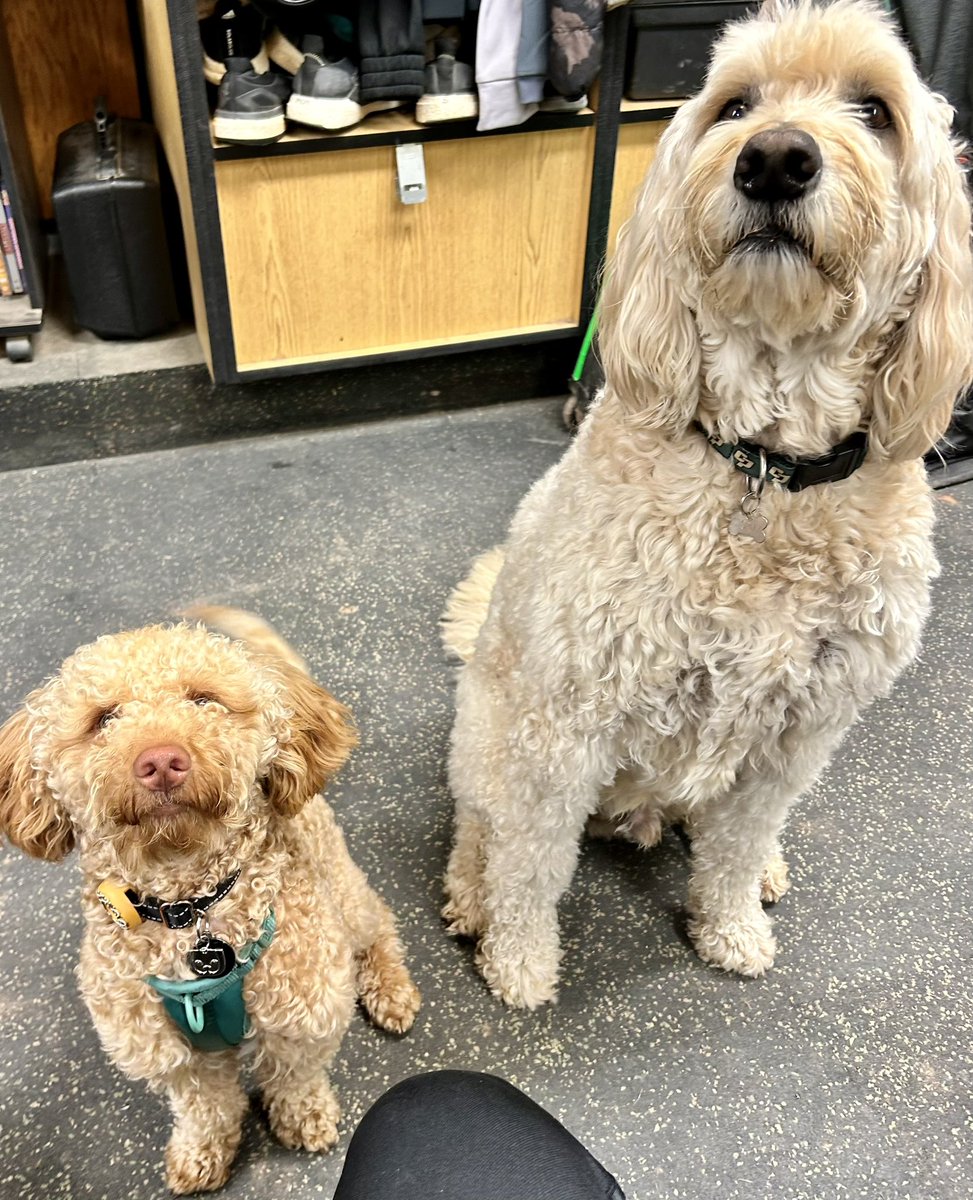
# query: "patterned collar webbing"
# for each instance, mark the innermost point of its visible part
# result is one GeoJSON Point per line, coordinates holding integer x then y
{"type": "Point", "coordinates": [794, 474]}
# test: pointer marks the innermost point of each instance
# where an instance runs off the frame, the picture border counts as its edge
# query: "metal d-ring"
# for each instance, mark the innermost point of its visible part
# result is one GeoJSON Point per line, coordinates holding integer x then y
{"type": "Point", "coordinates": [751, 501]}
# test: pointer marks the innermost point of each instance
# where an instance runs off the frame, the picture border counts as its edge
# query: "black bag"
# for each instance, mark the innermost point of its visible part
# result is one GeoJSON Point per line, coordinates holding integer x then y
{"type": "Point", "coordinates": [109, 215]}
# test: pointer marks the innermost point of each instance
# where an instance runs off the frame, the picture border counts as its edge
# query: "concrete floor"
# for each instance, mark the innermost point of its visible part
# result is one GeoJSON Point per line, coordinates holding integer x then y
{"type": "Point", "coordinates": [64, 353]}
{"type": "Point", "coordinates": [844, 1073]}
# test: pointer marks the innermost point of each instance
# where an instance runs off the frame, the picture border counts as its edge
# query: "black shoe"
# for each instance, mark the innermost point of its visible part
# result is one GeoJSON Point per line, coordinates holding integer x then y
{"type": "Point", "coordinates": [250, 107]}
{"type": "Point", "coordinates": [235, 30]}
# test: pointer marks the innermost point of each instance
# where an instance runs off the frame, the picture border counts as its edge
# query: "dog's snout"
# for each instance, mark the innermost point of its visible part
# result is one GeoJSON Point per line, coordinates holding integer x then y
{"type": "Point", "coordinates": [162, 768]}
{"type": "Point", "coordinates": [778, 164]}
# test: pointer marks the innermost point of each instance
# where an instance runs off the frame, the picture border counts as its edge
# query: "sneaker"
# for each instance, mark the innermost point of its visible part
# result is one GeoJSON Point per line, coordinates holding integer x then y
{"type": "Point", "coordinates": [554, 102]}
{"type": "Point", "coordinates": [450, 88]}
{"type": "Point", "coordinates": [325, 93]}
{"type": "Point", "coordinates": [250, 106]}
{"type": "Point", "coordinates": [233, 30]}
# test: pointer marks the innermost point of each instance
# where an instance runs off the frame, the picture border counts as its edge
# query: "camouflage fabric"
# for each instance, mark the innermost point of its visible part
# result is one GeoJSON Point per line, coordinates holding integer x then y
{"type": "Point", "coordinates": [576, 45]}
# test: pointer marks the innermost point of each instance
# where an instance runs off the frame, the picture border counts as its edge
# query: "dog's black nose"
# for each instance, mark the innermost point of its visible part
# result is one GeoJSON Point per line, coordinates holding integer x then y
{"type": "Point", "coordinates": [778, 164]}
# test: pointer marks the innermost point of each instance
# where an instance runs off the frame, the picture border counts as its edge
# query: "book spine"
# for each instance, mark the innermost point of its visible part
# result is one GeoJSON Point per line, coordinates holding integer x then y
{"type": "Point", "coordinates": [5, 289]}
{"type": "Point", "coordinates": [6, 244]}
{"type": "Point", "coordinates": [5, 198]}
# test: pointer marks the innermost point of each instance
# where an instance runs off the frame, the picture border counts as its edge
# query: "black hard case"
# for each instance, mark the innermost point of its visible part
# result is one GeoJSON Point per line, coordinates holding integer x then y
{"type": "Point", "coordinates": [109, 215]}
{"type": "Point", "coordinates": [669, 44]}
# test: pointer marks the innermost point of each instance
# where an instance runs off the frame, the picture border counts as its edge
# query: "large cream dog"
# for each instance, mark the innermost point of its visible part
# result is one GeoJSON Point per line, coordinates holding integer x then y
{"type": "Point", "coordinates": [670, 633]}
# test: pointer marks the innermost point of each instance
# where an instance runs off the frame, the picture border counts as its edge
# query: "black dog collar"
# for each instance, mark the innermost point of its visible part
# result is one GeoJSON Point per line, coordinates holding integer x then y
{"type": "Point", "coordinates": [180, 914]}
{"type": "Point", "coordinates": [794, 474]}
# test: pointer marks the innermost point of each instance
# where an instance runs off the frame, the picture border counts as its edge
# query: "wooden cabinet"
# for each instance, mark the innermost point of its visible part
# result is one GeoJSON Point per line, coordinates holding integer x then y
{"type": "Point", "coordinates": [324, 262]}
{"type": "Point", "coordinates": [637, 142]}
{"type": "Point", "coordinates": [302, 255]}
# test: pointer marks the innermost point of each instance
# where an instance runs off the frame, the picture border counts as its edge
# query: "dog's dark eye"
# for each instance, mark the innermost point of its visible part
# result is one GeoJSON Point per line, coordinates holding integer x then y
{"type": "Point", "coordinates": [874, 113]}
{"type": "Point", "coordinates": [105, 718]}
{"type": "Point", "coordinates": [734, 110]}
{"type": "Point", "coordinates": [202, 700]}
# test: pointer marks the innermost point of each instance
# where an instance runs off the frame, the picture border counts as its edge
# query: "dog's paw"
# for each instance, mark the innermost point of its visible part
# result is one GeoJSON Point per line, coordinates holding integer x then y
{"type": "Point", "coordinates": [746, 947]}
{"type": "Point", "coordinates": [644, 827]}
{"type": "Point", "coordinates": [774, 882]}
{"type": "Point", "coordinates": [197, 1166]}
{"type": "Point", "coordinates": [463, 913]}
{"type": "Point", "coordinates": [394, 1005]}
{"type": "Point", "coordinates": [306, 1120]}
{"type": "Point", "coordinates": [603, 829]}
{"type": "Point", "coordinates": [519, 981]}
{"type": "Point", "coordinates": [463, 910]}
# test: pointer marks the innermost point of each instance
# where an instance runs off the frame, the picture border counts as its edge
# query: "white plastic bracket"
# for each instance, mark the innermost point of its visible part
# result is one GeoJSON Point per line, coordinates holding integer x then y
{"type": "Point", "coordinates": [410, 169]}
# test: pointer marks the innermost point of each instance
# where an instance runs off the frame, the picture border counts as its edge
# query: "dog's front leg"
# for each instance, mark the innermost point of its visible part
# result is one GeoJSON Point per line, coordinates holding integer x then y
{"type": "Point", "coordinates": [529, 857]}
{"type": "Point", "coordinates": [208, 1103]}
{"type": "Point", "coordinates": [525, 781]}
{"type": "Point", "coordinates": [736, 854]}
{"type": "Point", "coordinates": [203, 1088]}
{"type": "Point", "coordinates": [301, 1105]}
{"type": "Point", "coordinates": [301, 998]}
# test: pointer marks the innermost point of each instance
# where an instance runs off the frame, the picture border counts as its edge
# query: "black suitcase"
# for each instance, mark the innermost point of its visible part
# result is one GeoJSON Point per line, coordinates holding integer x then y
{"type": "Point", "coordinates": [669, 44]}
{"type": "Point", "coordinates": [109, 215]}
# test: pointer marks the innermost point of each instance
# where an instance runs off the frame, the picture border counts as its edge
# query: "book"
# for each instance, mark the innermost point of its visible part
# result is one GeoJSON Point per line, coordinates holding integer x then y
{"type": "Point", "coordinates": [5, 200]}
{"type": "Point", "coordinates": [5, 289]}
{"type": "Point", "coordinates": [9, 258]}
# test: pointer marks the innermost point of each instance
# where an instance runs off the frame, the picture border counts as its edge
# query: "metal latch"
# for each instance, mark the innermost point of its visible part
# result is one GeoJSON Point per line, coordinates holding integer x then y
{"type": "Point", "coordinates": [410, 168]}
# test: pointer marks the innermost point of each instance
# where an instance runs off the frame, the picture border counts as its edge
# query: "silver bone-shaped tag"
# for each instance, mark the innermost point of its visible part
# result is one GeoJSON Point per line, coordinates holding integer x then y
{"type": "Point", "coordinates": [749, 525]}
{"type": "Point", "coordinates": [747, 522]}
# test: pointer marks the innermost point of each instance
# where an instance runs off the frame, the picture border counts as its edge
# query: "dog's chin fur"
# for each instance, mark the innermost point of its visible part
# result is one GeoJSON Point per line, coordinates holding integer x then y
{"type": "Point", "coordinates": [172, 834]}
{"type": "Point", "coordinates": [777, 293]}
{"type": "Point", "coordinates": [627, 655]}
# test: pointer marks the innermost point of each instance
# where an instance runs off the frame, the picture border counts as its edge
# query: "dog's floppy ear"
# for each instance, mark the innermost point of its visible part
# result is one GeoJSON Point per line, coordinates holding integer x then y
{"type": "Point", "coordinates": [318, 740]}
{"type": "Point", "coordinates": [647, 336]}
{"type": "Point", "coordinates": [930, 361]}
{"type": "Point", "coordinates": [29, 815]}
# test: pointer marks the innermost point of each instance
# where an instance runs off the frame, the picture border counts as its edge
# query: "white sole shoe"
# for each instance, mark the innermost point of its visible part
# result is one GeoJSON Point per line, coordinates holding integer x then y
{"type": "Point", "coordinates": [333, 113]}
{"type": "Point", "coordinates": [249, 130]}
{"type": "Point", "coordinates": [561, 104]}
{"type": "Point", "coordinates": [460, 106]}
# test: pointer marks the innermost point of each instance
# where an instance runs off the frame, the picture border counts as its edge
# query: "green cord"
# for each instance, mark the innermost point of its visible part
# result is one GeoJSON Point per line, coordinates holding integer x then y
{"type": "Point", "coordinates": [589, 337]}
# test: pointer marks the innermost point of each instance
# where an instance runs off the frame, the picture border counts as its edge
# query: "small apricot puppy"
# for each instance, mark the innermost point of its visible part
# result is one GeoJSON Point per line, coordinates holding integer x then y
{"type": "Point", "coordinates": [219, 897]}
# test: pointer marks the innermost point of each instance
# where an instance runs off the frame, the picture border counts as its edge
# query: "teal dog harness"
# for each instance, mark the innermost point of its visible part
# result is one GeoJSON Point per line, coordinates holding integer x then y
{"type": "Point", "coordinates": [211, 1012]}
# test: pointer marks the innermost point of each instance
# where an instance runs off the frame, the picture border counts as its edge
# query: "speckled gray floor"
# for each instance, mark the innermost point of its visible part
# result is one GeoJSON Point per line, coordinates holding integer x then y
{"type": "Point", "coordinates": [845, 1073]}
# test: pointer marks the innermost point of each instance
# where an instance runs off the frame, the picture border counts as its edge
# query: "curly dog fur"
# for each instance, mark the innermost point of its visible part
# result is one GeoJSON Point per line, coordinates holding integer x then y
{"type": "Point", "coordinates": [628, 659]}
{"type": "Point", "coordinates": [261, 738]}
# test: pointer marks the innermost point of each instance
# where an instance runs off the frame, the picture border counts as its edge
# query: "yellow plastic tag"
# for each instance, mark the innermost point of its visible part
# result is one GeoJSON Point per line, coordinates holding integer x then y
{"type": "Point", "coordinates": [117, 904]}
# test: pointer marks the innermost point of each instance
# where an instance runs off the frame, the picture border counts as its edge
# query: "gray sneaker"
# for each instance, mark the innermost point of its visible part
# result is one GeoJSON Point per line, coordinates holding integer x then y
{"type": "Point", "coordinates": [250, 105]}
{"type": "Point", "coordinates": [450, 87]}
{"type": "Point", "coordinates": [325, 93]}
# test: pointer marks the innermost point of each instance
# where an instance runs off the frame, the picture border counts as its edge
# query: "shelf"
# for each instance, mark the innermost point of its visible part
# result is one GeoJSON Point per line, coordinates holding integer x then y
{"type": "Point", "coordinates": [322, 261]}
{"type": "Point", "coordinates": [389, 129]}
{"type": "Point", "coordinates": [418, 349]}
{"type": "Point", "coordinates": [632, 111]}
{"type": "Point", "coordinates": [18, 315]}
{"type": "Point", "coordinates": [506, 248]}
{"type": "Point", "coordinates": [16, 170]}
